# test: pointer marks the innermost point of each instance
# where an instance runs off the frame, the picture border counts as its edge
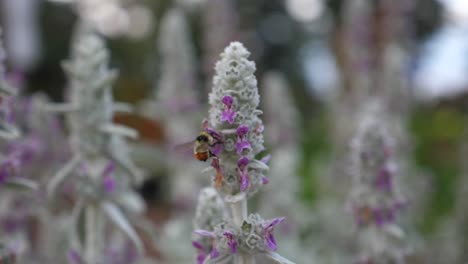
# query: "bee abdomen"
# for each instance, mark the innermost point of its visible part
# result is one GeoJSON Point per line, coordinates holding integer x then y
{"type": "Point", "coordinates": [203, 156]}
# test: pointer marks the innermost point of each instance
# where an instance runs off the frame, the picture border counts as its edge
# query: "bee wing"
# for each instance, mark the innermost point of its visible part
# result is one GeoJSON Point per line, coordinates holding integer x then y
{"type": "Point", "coordinates": [185, 149]}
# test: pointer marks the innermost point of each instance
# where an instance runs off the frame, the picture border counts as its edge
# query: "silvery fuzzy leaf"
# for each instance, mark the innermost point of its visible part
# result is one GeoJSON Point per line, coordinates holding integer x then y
{"type": "Point", "coordinates": [62, 174]}
{"type": "Point", "coordinates": [74, 218]}
{"type": "Point", "coordinates": [218, 260]}
{"type": "Point", "coordinates": [277, 258]}
{"type": "Point", "coordinates": [395, 231]}
{"type": "Point", "coordinates": [229, 131]}
{"type": "Point", "coordinates": [131, 202]}
{"type": "Point", "coordinates": [7, 89]}
{"type": "Point", "coordinates": [9, 132]}
{"type": "Point", "coordinates": [118, 218]}
{"type": "Point", "coordinates": [119, 130]}
{"type": "Point", "coordinates": [22, 182]}
{"type": "Point", "coordinates": [60, 107]}
{"type": "Point", "coordinates": [256, 164]}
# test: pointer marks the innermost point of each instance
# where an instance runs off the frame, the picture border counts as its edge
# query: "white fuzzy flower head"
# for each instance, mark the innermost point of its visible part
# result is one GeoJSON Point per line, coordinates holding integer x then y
{"type": "Point", "coordinates": [235, 124]}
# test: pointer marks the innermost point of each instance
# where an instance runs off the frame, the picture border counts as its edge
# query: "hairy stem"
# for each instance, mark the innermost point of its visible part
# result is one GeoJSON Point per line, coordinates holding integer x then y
{"type": "Point", "coordinates": [239, 214]}
{"type": "Point", "coordinates": [93, 235]}
{"type": "Point", "coordinates": [239, 211]}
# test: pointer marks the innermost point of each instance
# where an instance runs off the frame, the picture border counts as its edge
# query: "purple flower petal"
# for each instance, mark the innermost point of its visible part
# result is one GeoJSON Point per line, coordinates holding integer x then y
{"type": "Point", "coordinates": [265, 180]}
{"type": "Point", "coordinates": [217, 148]}
{"type": "Point", "coordinates": [242, 130]}
{"type": "Point", "coordinates": [214, 253]}
{"type": "Point", "coordinates": [271, 242]}
{"type": "Point", "coordinates": [384, 180]}
{"type": "Point", "coordinates": [109, 169]}
{"type": "Point", "coordinates": [74, 257]}
{"type": "Point", "coordinates": [109, 183]}
{"type": "Point", "coordinates": [204, 233]}
{"type": "Point", "coordinates": [274, 222]}
{"type": "Point", "coordinates": [244, 181]}
{"type": "Point", "coordinates": [268, 233]}
{"type": "Point", "coordinates": [201, 258]}
{"type": "Point", "coordinates": [227, 101]}
{"type": "Point", "coordinates": [232, 242]}
{"type": "Point", "coordinates": [242, 145]}
{"type": "Point", "coordinates": [197, 245]}
{"type": "Point", "coordinates": [379, 216]}
{"type": "Point", "coordinates": [242, 162]}
{"type": "Point", "coordinates": [228, 115]}
{"type": "Point", "coordinates": [215, 134]}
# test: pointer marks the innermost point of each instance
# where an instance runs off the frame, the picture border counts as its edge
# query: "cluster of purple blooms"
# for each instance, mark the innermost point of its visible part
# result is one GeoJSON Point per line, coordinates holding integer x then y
{"type": "Point", "coordinates": [383, 182]}
{"type": "Point", "coordinates": [254, 234]}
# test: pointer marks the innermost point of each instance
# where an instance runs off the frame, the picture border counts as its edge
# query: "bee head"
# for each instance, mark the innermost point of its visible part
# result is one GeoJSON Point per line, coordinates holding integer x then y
{"type": "Point", "coordinates": [202, 138]}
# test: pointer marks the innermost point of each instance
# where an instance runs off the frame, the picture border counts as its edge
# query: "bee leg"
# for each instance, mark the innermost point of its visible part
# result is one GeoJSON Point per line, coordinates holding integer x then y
{"type": "Point", "coordinates": [218, 180]}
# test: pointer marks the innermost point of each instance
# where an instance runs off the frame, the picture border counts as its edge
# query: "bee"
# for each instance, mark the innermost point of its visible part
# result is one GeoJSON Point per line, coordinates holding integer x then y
{"type": "Point", "coordinates": [201, 146]}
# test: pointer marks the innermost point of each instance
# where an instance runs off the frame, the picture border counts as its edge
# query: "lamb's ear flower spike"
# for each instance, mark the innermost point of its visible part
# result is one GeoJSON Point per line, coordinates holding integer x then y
{"type": "Point", "coordinates": [100, 160]}
{"type": "Point", "coordinates": [234, 121]}
{"type": "Point", "coordinates": [375, 197]}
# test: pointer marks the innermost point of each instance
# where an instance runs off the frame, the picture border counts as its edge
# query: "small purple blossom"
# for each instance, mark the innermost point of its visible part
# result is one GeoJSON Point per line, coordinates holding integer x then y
{"type": "Point", "coordinates": [242, 168]}
{"type": "Point", "coordinates": [379, 216]}
{"type": "Point", "coordinates": [228, 113]}
{"type": "Point", "coordinates": [108, 179]}
{"type": "Point", "coordinates": [109, 183]}
{"type": "Point", "coordinates": [265, 180]}
{"type": "Point", "coordinates": [227, 100]}
{"type": "Point", "coordinates": [109, 169]}
{"type": "Point", "coordinates": [242, 143]}
{"type": "Point", "coordinates": [74, 257]}
{"type": "Point", "coordinates": [197, 245]}
{"type": "Point", "coordinates": [214, 251]}
{"type": "Point", "coordinates": [9, 167]}
{"type": "Point", "coordinates": [384, 179]}
{"type": "Point", "coordinates": [231, 241]}
{"type": "Point", "coordinates": [268, 233]}
{"type": "Point", "coordinates": [201, 256]}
